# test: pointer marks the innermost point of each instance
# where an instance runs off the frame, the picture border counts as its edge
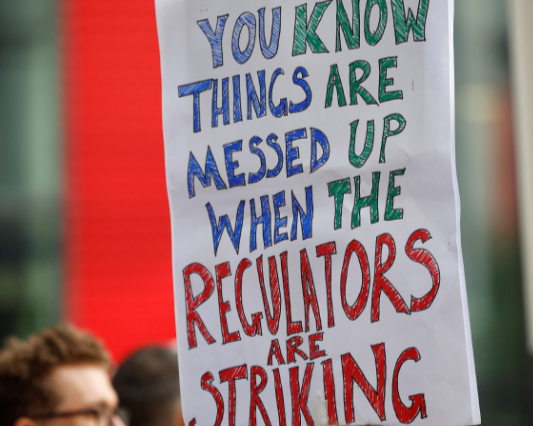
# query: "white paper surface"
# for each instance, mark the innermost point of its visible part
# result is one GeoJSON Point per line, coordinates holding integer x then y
{"type": "Point", "coordinates": [253, 358]}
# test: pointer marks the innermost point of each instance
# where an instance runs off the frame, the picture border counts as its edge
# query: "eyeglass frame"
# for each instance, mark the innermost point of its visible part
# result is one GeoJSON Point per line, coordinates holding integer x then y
{"type": "Point", "coordinates": [97, 413]}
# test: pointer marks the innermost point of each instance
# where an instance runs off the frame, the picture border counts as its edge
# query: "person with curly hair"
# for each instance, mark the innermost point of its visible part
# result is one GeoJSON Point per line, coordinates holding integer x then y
{"type": "Point", "coordinates": [58, 377]}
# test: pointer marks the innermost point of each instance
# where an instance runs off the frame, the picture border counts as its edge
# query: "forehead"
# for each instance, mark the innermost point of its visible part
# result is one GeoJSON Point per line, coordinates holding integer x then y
{"type": "Point", "coordinates": [80, 386]}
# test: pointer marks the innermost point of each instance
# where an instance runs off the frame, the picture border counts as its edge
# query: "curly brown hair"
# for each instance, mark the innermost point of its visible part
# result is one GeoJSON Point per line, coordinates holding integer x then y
{"type": "Point", "coordinates": [26, 364]}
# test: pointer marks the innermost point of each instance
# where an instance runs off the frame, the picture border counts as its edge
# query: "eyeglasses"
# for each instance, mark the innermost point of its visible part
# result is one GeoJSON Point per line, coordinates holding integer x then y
{"type": "Point", "coordinates": [103, 416]}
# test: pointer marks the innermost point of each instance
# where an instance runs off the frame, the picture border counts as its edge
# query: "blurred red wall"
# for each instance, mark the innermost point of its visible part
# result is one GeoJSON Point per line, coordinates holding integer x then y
{"type": "Point", "coordinates": [118, 281]}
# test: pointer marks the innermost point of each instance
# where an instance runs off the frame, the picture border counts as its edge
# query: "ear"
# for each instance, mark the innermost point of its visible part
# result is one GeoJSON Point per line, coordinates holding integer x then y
{"type": "Point", "coordinates": [25, 421]}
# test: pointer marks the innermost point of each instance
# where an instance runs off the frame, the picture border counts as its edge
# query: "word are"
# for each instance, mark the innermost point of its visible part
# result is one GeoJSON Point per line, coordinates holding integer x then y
{"type": "Point", "coordinates": [352, 374]}
{"type": "Point", "coordinates": [356, 84]}
{"type": "Point", "coordinates": [384, 260]}
{"type": "Point", "coordinates": [256, 101]}
{"type": "Point", "coordinates": [294, 348]}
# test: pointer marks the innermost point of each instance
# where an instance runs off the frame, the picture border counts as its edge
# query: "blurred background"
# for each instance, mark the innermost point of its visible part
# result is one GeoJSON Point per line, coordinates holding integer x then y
{"type": "Point", "coordinates": [84, 221]}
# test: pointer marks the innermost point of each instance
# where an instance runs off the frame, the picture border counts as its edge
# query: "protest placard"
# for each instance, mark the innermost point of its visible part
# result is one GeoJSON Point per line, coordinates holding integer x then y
{"type": "Point", "coordinates": [315, 213]}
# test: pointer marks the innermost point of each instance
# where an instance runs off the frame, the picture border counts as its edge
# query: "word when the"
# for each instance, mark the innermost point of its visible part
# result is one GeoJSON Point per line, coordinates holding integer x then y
{"type": "Point", "coordinates": [273, 222]}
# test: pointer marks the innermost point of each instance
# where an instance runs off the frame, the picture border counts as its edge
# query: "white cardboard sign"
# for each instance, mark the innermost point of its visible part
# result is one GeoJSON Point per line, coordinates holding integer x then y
{"type": "Point", "coordinates": [315, 214]}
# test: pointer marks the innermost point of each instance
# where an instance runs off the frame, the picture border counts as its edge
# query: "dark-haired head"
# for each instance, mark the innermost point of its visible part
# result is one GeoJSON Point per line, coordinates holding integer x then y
{"type": "Point", "coordinates": [147, 384]}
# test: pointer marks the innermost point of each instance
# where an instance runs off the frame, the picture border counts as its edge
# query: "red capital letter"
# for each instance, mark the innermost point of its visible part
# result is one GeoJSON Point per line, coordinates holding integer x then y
{"type": "Point", "coordinates": [292, 327]}
{"type": "Point", "coordinates": [255, 399]}
{"type": "Point", "coordinates": [292, 347]}
{"type": "Point", "coordinates": [255, 327]}
{"type": "Point", "coordinates": [425, 258]}
{"type": "Point", "coordinates": [418, 403]}
{"type": "Point", "coordinates": [275, 350]}
{"type": "Point", "coordinates": [309, 292]}
{"type": "Point", "coordinates": [351, 372]}
{"type": "Point", "coordinates": [194, 302]}
{"type": "Point", "coordinates": [356, 309]}
{"type": "Point", "coordinates": [314, 350]}
{"type": "Point", "coordinates": [231, 375]}
{"type": "Point", "coordinates": [300, 397]}
{"type": "Point", "coordinates": [383, 284]}
{"type": "Point", "coordinates": [207, 379]}
{"type": "Point", "coordinates": [327, 250]}
{"type": "Point", "coordinates": [272, 320]}
{"type": "Point", "coordinates": [279, 397]}
{"type": "Point", "coordinates": [223, 271]}
{"type": "Point", "coordinates": [329, 390]}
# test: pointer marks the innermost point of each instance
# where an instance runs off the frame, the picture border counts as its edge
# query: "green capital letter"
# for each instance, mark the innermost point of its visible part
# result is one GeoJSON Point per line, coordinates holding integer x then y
{"type": "Point", "coordinates": [384, 82]}
{"type": "Point", "coordinates": [335, 81]}
{"type": "Point", "coordinates": [403, 24]}
{"type": "Point", "coordinates": [305, 32]}
{"type": "Point", "coordinates": [387, 132]}
{"type": "Point", "coordinates": [351, 32]}
{"type": "Point", "coordinates": [359, 161]}
{"type": "Point", "coordinates": [337, 189]}
{"type": "Point", "coordinates": [355, 84]}
{"type": "Point", "coordinates": [373, 38]}
{"type": "Point", "coordinates": [390, 212]}
{"type": "Point", "coordinates": [369, 201]}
